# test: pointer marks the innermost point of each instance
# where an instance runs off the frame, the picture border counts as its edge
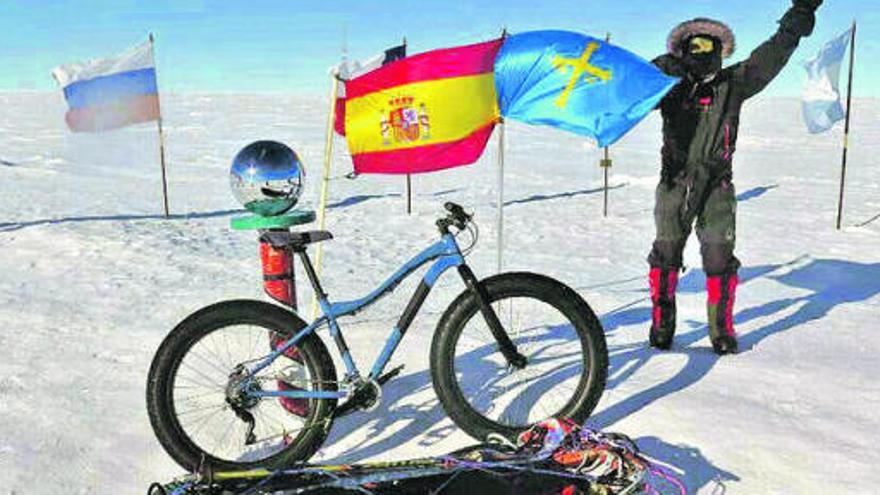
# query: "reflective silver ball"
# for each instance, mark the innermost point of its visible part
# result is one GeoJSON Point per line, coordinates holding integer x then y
{"type": "Point", "coordinates": [267, 178]}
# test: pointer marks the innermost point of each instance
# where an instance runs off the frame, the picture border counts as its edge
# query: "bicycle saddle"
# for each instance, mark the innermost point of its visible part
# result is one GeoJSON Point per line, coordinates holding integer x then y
{"type": "Point", "coordinates": [295, 240]}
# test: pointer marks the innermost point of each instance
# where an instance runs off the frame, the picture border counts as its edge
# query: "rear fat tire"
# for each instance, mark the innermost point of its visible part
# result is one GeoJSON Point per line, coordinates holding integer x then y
{"type": "Point", "coordinates": [508, 285]}
{"type": "Point", "coordinates": [228, 313]}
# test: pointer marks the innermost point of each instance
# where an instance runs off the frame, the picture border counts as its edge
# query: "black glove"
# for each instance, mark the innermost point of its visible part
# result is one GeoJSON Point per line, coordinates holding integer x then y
{"type": "Point", "coordinates": [800, 20]}
{"type": "Point", "coordinates": [807, 4]}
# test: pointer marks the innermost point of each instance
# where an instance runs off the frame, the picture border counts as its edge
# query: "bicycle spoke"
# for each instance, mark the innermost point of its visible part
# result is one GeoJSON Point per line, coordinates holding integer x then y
{"type": "Point", "coordinates": [204, 374]}
{"type": "Point", "coordinates": [518, 397]}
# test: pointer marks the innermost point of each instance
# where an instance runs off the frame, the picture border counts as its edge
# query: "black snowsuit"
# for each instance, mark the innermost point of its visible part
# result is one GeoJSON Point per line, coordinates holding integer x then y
{"type": "Point", "coordinates": [700, 124]}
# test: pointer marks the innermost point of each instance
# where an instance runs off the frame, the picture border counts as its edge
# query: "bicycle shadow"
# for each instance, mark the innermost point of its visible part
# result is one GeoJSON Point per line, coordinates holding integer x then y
{"type": "Point", "coordinates": [829, 283]}
{"type": "Point", "coordinates": [12, 226]}
{"type": "Point", "coordinates": [424, 418]}
{"type": "Point", "coordinates": [392, 411]}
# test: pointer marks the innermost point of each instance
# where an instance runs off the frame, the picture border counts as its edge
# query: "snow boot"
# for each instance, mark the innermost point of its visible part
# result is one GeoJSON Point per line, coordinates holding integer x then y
{"type": "Point", "coordinates": [663, 282]}
{"type": "Point", "coordinates": [722, 295]}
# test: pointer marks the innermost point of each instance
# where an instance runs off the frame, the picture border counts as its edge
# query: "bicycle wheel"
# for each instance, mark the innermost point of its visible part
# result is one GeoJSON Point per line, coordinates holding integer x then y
{"type": "Point", "coordinates": [190, 411]}
{"type": "Point", "coordinates": [551, 325]}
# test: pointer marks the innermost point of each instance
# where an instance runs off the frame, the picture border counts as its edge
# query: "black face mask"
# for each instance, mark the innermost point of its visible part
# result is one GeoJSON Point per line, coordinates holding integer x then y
{"type": "Point", "coordinates": [702, 56]}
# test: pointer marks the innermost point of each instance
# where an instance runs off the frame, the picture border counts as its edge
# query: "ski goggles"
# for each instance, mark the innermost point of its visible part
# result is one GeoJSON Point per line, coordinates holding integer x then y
{"type": "Point", "coordinates": [700, 45]}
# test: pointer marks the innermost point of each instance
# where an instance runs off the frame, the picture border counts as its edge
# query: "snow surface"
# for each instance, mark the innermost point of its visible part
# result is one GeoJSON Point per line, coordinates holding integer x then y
{"type": "Point", "coordinates": [93, 278]}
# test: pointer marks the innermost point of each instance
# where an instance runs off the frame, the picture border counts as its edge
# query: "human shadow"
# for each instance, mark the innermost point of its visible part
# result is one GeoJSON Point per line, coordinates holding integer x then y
{"type": "Point", "coordinates": [828, 283]}
{"type": "Point", "coordinates": [755, 192]}
{"type": "Point", "coordinates": [569, 194]}
{"type": "Point", "coordinates": [11, 226]}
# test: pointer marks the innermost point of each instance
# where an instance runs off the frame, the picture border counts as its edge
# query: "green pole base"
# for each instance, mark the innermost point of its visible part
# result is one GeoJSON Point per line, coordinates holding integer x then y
{"type": "Point", "coordinates": [287, 220]}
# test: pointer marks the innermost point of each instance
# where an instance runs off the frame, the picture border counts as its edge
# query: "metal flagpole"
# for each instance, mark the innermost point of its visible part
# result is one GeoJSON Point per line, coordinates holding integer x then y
{"type": "Point", "coordinates": [325, 181]}
{"type": "Point", "coordinates": [500, 193]}
{"type": "Point", "coordinates": [852, 58]}
{"type": "Point", "coordinates": [500, 236]}
{"type": "Point", "coordinates": [408, 175]}
{"type": "Point", "coordinates": [161, 134]}
{"type": "Point", "coordinates": [408, 194]}
{"type": "Point", "coordinates": [605, 163]}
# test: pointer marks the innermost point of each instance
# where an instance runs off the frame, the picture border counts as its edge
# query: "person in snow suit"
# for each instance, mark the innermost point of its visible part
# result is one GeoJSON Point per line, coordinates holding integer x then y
{"type": "Point", "coordinates": [700, 123]}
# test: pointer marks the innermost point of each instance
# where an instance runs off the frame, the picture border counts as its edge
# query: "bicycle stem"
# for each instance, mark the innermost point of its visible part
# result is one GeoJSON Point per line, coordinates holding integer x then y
{"type": "Point", "coordinates": [505, 345]}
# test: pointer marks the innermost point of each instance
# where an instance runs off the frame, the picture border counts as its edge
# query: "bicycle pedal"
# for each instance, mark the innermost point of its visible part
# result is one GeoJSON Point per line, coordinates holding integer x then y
{"type": "Point", "coordinates": [386, 377]}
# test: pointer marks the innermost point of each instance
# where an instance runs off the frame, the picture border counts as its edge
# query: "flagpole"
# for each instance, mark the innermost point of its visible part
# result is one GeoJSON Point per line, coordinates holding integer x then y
{"type": "Point", "coordinates": [500, 235]}
{"type": "Point", "coordinates": [408, 175]}
{"type": "Point", "coordinates": [500, 193]}
{"type": "Point", "coordinates": [408, 194]}
{"type": "Point", "coordinates": [161, 134]}
{"type": "Point", "coordinates": [325, 181]}
{"type": "Point", "coordinates": [852, 57]}
{"type": "Point", "coordinates": [605, 163]}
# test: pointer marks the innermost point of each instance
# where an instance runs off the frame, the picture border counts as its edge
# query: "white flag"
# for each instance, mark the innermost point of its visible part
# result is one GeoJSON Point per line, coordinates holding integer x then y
{"type": "Point", "coordinates": [821, 95]}
{"type": "Point", "coordinates": [349, 70]}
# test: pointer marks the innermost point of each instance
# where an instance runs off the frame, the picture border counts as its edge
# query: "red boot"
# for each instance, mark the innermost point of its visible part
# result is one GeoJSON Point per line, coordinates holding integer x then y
{"type": "Point", "coordinates": [663, 282]}
{"type": "Point", "coordinates": [722, 295]}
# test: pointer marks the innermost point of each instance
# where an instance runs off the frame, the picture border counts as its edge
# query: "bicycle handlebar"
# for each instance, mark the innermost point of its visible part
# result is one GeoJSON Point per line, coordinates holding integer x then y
{"type": "Point", "coordinates": [457, 217]}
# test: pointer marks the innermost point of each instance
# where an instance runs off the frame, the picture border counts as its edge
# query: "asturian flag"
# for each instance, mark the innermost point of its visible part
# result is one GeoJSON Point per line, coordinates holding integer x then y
{"type": "Point", "coordinates": [821, 95]}
{"type": "Point", "coordinates": [577, 83]}
{"type": "Point", "coordinates": [350, 70]}
{"type": "Point", "coordinates": [109, 93]}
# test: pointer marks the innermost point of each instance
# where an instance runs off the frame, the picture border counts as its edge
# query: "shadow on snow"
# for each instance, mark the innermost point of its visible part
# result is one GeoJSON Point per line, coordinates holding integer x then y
{"type": "Point", "coordinates": [828, 283]}
{"type": "Point", "coordinates": [11, 226]}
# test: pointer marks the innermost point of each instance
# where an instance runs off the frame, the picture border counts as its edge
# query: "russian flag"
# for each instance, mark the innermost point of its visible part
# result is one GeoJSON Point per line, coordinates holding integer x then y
{"type": "Point", "coordinates": [110, 93]}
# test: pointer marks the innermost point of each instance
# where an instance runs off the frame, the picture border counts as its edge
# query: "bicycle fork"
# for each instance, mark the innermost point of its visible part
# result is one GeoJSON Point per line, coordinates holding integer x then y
{"type": "Point", "coordinates": [505, 345]}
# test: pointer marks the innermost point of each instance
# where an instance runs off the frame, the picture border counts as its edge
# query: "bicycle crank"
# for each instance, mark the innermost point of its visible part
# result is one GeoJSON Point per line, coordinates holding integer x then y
{"type": "Point", "coordinates": [366, 396]}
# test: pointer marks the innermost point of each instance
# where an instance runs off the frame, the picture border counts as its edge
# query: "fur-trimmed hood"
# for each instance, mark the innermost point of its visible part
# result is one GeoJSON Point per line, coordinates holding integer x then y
{"type": "Point", "coordinates": [701, 25]}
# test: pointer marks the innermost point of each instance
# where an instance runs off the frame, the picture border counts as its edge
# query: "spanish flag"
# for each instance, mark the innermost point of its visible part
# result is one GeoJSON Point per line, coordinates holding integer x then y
{"type": "Point", "coordinates": [428, 112]}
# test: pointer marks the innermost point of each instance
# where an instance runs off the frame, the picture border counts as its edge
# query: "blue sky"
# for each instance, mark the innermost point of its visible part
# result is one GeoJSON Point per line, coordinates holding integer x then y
{"type": "Point", "coordinates": [287, 46]}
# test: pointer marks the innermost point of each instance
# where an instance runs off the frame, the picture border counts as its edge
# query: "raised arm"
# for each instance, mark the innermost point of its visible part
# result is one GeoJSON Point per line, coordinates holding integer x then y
{"type": "Point", "coordinates": [765, 63]}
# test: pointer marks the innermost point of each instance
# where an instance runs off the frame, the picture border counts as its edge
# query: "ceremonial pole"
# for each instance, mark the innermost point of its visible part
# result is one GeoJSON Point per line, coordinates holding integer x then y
{"type": "Point", "coordinates": [161, 134]}
{"type": "Point", "coordinates": [408, 175]}
{"type": "Point", "coordinates": [605, 163]}
{"type": "Point", "coordinates": [500, 193]}
{"type": "Point", "coordinates": [408, 194]}
{"type": "Point", "coordinates": [500, 235]}
{"type": "Point", "coordinates": [852, 58]}
{"type": "Point", "coordinates": [325, 182]}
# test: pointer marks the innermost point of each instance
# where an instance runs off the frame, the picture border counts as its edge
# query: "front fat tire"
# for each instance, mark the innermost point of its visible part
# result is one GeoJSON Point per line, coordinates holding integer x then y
{"type": "Point", "coordinates": [219, 315]}
{"type": "Point", "coordinates": [508, 285]}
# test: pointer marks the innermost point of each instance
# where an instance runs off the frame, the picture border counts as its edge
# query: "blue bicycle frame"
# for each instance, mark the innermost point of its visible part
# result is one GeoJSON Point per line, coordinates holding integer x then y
{"type": "Point", "coordinates": [447, 255]}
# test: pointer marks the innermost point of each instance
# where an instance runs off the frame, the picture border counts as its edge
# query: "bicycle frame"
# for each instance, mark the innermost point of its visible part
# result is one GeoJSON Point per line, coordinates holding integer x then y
{"type": "Point", "coordinates": [447, 255]}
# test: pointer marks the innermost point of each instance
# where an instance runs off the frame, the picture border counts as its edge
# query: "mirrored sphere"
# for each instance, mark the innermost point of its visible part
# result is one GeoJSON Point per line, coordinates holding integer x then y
{"type": "Point", "coordinates": [267, 178]}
